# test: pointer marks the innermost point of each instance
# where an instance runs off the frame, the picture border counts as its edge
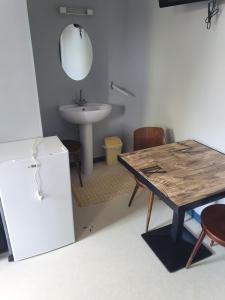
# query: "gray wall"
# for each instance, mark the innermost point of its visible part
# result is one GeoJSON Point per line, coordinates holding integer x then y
{"type": "Point", "coordinates": [107, 30]}
{"type": "Point", "coordinates": [19, 107]}
{"type": "Point", "coordinates": [137, 72]}
{"type": "Point", "coordinates": [166, 57]}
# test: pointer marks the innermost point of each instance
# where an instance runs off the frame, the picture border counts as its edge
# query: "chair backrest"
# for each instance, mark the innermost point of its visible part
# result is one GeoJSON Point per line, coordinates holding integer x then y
{"type": "Point", "coordinates": [147, 137]}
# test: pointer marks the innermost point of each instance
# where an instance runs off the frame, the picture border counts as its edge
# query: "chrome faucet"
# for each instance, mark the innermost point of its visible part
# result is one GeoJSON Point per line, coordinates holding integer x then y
{"type": "Point", "coordinates": [81, 101]}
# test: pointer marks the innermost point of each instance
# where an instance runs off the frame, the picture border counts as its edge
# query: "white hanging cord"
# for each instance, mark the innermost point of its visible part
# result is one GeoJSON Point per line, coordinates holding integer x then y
{"type": "Point", "coordinates": [36, 143]}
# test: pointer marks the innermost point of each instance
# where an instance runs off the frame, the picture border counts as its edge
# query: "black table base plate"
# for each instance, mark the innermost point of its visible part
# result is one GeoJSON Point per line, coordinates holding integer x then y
{"type": "Point", "coordinates": [174, 255]}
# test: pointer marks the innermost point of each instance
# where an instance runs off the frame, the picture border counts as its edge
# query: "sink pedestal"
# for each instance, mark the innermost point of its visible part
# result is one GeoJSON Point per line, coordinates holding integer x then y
{"type": "Point", "coordinates": [85, 116]}
{"type": "Point", "coordinates": [86, 138]}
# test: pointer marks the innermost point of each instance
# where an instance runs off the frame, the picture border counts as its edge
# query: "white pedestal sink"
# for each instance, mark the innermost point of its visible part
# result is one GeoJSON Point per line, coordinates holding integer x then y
{"type": "Point", "coordinates": [85, 116]}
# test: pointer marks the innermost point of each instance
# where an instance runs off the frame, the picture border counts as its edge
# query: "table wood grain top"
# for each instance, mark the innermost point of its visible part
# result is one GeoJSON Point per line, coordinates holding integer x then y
{"type": "Point", "coordinates": [184, 172]}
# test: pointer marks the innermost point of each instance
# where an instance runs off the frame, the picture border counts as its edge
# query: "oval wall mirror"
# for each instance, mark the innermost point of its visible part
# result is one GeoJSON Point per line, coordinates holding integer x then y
{"type": "Point", "coordinates": [76, 52]}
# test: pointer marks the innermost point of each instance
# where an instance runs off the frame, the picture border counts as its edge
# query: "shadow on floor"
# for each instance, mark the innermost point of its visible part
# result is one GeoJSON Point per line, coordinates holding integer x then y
{"type": "Point", "coordinates": [89, 220]}
{"type": "Point", "coordinates": [209, 260]}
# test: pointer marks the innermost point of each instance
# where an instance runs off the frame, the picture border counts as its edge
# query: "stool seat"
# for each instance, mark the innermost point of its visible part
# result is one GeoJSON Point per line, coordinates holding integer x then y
{"type": "Point", "coordinates": [213, 225]}
{"type": "Point", "coordinates": [72, 146]}
{"type": "Point", "coordinates": [213, 222]}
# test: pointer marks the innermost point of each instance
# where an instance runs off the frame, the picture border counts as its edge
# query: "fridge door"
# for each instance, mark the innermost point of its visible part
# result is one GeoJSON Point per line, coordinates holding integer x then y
{"type": "Point", "coordinates": [37, 226]}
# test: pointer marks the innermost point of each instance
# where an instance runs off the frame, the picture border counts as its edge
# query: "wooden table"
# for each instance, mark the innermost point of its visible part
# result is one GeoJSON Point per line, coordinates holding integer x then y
{"type": "Point", "coordinates": [184, 175]}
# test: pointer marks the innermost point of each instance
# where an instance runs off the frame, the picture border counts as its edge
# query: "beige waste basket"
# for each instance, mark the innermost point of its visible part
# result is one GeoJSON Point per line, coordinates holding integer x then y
{"type": "Point", "coordinates": [113, 147]}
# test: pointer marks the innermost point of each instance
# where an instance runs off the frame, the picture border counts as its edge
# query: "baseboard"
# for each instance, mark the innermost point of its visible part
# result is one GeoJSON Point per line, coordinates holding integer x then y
{"type": "Point", "coordinates": [98, 159]}
{"type": "Point", "coordinates": [95, 160]}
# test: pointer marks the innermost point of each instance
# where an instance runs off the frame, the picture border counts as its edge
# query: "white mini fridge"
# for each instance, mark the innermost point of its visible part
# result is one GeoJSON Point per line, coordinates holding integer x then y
{"type": "Point", "coordinates": [35, 197]}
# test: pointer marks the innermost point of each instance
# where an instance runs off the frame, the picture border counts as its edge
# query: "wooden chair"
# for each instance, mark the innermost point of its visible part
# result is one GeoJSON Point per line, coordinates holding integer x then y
{"type": "Point", "coordinates": [147, 137]}
{"type": "Point", "coordinates": [74, 151]}
{"type": "Point", "coordinates": [213, 225]}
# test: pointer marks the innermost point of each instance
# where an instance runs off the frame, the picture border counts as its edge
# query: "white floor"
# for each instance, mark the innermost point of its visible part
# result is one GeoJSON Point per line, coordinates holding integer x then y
{"type": "Point", "coordinates": [111, 261]}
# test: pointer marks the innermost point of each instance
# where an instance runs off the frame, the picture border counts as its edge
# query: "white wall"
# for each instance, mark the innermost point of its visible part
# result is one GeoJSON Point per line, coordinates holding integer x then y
{"type": "Point", "coordinates": [19, 107]}
{"type": "Point", "coordinates": [184, 70]}
{"type": "Point", "coordinates": [178, 72]}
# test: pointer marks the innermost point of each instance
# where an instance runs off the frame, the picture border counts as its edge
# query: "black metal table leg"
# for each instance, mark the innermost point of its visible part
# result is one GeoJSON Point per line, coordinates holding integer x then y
{"type": "Point", "coordinates": [173, 244]}
{"type": "Point", "coordinates": [177, 225]}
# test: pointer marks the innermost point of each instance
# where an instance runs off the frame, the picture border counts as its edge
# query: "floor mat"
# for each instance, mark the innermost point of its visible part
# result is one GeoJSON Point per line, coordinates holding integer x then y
{"type": "Point", "coordinates": [107, 183]}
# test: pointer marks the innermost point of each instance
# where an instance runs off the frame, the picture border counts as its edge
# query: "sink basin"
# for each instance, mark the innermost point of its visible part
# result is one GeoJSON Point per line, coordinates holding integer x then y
{"type": "Point", "coordinates": [85, 116]}
{"type": "Point", "coordinates": [88, 114]}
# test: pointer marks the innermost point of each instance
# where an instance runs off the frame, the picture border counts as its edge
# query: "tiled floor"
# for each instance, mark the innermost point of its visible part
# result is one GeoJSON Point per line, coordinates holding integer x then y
{"type": "Point", "coordinates": [111, 261]}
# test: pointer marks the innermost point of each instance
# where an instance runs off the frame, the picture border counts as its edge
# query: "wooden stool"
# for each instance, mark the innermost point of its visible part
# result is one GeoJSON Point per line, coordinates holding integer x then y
{"type": "Point", "coordinates": [74, 150]}
{"type": "Point", "coordinates": [213, 225]}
